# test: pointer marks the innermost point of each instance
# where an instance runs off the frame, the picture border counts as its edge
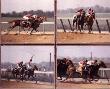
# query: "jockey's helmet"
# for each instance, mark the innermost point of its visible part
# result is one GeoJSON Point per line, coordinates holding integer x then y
{"type": "Point", "coordinates": [90, 9]}
{"type": "Point", "coordinates": [30, 59]}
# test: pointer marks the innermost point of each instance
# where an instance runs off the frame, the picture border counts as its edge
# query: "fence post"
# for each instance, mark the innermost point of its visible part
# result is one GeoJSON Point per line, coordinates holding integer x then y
{"type": "Point", "coordinates": [108, 25]}
{"type": "Point", "coordinates": [70, 25]}
{"type": "Point", "coordinates": [62, 25]}
{"type": "Point", "coordinates": [43, 25]}
{"type": "Point", "coordinates": [98, 26]}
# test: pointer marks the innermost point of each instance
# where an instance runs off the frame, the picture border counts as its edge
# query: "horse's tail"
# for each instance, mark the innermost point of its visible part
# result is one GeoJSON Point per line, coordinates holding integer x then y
{"type": "Point", "coordinates": [11, 21]}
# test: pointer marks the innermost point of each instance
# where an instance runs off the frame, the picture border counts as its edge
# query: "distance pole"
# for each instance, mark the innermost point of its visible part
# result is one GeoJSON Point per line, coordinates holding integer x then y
{"type": "Point", "coordinates": [55, 42]}
{"type": "Point", "coordinates": [50, 61]}
{"type": "Point", "coordinates": [0, 44]}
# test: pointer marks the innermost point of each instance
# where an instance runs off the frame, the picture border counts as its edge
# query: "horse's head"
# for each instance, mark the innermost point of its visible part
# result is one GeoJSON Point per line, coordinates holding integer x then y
{"type": "Point", "coordinates": [35, 67]}
{"type": "Point", "coordinates": [102, 64]}
{"type": "Point", "coordinates": [41, 19]}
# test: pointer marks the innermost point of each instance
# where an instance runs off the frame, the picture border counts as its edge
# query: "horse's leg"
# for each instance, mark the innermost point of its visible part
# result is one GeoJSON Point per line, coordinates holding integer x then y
{"type": "Point", "coordinates": [82, 27]}
{"type": "Point", "coordinates": [31, 31]}
{"type": "Point", "coordinates": [89, 29]}
{"type": "Point", "coordinates": [28, 29]}
{"type": "Point", "coordinates": [73, 23]}
{"type": "Point", "coordinates": [10, 28]}
{"type": "Point", "coordinates": [36, 30]}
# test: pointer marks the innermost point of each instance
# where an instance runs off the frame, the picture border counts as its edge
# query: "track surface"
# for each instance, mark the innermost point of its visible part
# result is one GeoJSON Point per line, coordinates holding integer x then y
{"type": "Point", "coordinates": [62, 38]}
{"type": "Point", "coordinates": [24, 85]}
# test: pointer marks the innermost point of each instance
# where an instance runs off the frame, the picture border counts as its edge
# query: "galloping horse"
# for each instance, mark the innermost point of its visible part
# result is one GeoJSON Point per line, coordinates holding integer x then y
{"type": "Point", "coordinates": [71, 69]}
{"type": "Point", "coordinates": [66, 68]}
{"type": "Point", "coordinates": [79, 20]}
{"type": "Point", "coordinates": [30, 72]}
{"type": "Point", "coordinates": [89, 21]}
{"type": "Point", "coordinates": [90, 72]}
{"type": "Point", "coordinates": [61, 68]}
{"type": "Point", "coordinates": [31, 23]}
{"type": "Point", "coordinates": [93, 73]}
{"type": "Point", "coordinates": [19, 72]}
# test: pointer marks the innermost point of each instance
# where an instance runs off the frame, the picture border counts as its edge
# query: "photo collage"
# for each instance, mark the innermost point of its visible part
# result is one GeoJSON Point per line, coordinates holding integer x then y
{"type": "Point", "coordinates": [55, 44]}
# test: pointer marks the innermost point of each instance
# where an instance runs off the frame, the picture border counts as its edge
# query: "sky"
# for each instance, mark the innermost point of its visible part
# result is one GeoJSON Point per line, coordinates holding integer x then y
{"type": "Point", "coordinates": [22, 5]}
{"type": "Point", "coordinates": [65, 4]}
{"type": "Point", "coordinates": [83, 51]}
{"type": "Point", "coordinates": [48, 5]}
{"type": "Point", "coordinates": [15, 54]}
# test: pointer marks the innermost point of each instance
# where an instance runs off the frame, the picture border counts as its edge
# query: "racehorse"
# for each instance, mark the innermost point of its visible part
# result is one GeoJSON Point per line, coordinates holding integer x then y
{"type": "Point", "coordinates": [89, 21]}
{"type": "Point", "coordinates": [30, 72]}
{"type": "Point", "coordinates": [18, 73]}
{"type": "Point", "coordinates": [79, 20]}
{"type": "Point", "coordinates": [90, 72]}
{"type": "Point", "coordinates": [66, 68]}
{"type": "Point", "coordinates": [94, 70]}
{"type": "Point", "coordinates": [61, 68]}
{"type": "Point", "coordinates": [31, 23]}
{"type": "Point", "coordinates": [71, 69]}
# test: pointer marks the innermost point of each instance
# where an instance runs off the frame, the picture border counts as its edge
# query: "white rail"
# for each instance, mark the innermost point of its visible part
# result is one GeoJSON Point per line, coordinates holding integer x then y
{"type": "Point", "coordinates": [44, 23]}
{"type": "Point", "coordinates": [65, 18]}
{"type": "Point", "coordinates": [36, 72]}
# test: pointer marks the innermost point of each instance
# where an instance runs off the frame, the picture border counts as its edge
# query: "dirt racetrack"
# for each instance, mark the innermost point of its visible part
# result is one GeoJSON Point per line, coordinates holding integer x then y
{"type": "Point", "coordinates": [62, 38]}
{"type": "Point", "coordinates": [82, 86]}
{"type": "Point", "coordinates": [61, 85]}
{"type": "Point", "coordinates": [23, 85]}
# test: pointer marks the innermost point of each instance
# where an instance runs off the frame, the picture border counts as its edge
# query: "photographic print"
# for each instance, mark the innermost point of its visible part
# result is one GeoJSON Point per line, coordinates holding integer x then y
{"type": "Point", "coordinates": [27, 21]}
{"type": "Point", "coordinates": [29, 67]}
{"type": "Point", "coordinates": [83, 21]}
{"type": "Point", "coordinates": [83, 67]}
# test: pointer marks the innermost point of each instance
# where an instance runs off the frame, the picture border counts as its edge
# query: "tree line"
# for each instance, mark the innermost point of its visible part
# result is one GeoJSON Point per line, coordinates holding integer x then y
{"type": "Point", "coordinates": [96, 8]}
{"type": "Point", "coordinates": [21, 14]}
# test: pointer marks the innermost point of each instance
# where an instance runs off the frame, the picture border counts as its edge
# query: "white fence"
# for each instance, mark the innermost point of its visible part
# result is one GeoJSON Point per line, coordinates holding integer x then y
{"type": "Point", "coordinates": [104, 72]}
{"type": "Point", "coordinates": [44, 24]}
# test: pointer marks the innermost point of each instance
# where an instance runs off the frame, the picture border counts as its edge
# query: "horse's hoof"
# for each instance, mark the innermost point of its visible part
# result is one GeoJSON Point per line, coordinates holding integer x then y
{"type": "Point", "coordinates": [16, 34]}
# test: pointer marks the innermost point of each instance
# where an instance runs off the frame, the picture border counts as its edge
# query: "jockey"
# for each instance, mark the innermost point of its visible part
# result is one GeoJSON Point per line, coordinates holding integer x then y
{"type": "Point", "coordinates": [79, 12]}
{"type": "Point", "coordinates": [29, 65]}
{"type": "Point", "coordinates": [90, 11]}
{"type": "Point", "coordinates": [27, 17]}
{"type": "Point", "coordinates": [95, 62]}
{"type": "Point", "coordinates": [34, 16]}
{"type": "Point", "coordinates": [20, 64]}
{"type": "Point", "coordinates": [91, 62]}
{"type": "Point", "coordinates": [81, 63]}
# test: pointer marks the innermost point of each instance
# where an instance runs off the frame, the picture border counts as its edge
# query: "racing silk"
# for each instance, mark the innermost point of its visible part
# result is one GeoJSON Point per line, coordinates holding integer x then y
{"type": "Point", "coordinates": [19, 65]}
{"type": "Point", "coordinates": [79, 12]}
{"type": "Point", "coordinates": [91, 62]}
{"type": "Point", "coordinates": [90, 12]}
{"type": "Point", "coordinates": [34, 16]}
{"type": "Point", "coordinates": [29, 65]}
{"type": "Point", "coordinates": [81, 63]}
{"type": "Point", "coordinates": [27, 17]}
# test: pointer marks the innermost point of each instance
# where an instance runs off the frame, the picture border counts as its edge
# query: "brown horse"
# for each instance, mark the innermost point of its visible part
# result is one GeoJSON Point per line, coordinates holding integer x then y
{"type": "Point", "coordinates": [30, 72]}
{"type": "Point", "coordinates": [66, 68]}
{"type": "Point", "coordinates": [71, 69]}
{"type": "Point", "coordinates": [90, 72]}
{"type": "Point", "coordinates": [90, 21]}
{"type": "Point", "coordinates": [31, 23]}
{"type": "Point", "coordinates": [79, 20]}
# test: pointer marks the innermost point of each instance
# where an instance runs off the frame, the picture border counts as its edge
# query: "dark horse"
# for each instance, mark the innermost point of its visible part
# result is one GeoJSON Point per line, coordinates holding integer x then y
{"type": "Point", "coordinates": [66, 68]}
{"type": "Point", "coordinates": [93, 70]}
{"type": "Point", "coordinates": [79, 20]}
{"type": "Point", "coordinates": [30, 72]}
{"type": "Point", "coordinates": [61, 67]}
{"type": "Point", "coordinates": [31, 23]}
{"type": "Point", "coordinates": [18, 73]}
